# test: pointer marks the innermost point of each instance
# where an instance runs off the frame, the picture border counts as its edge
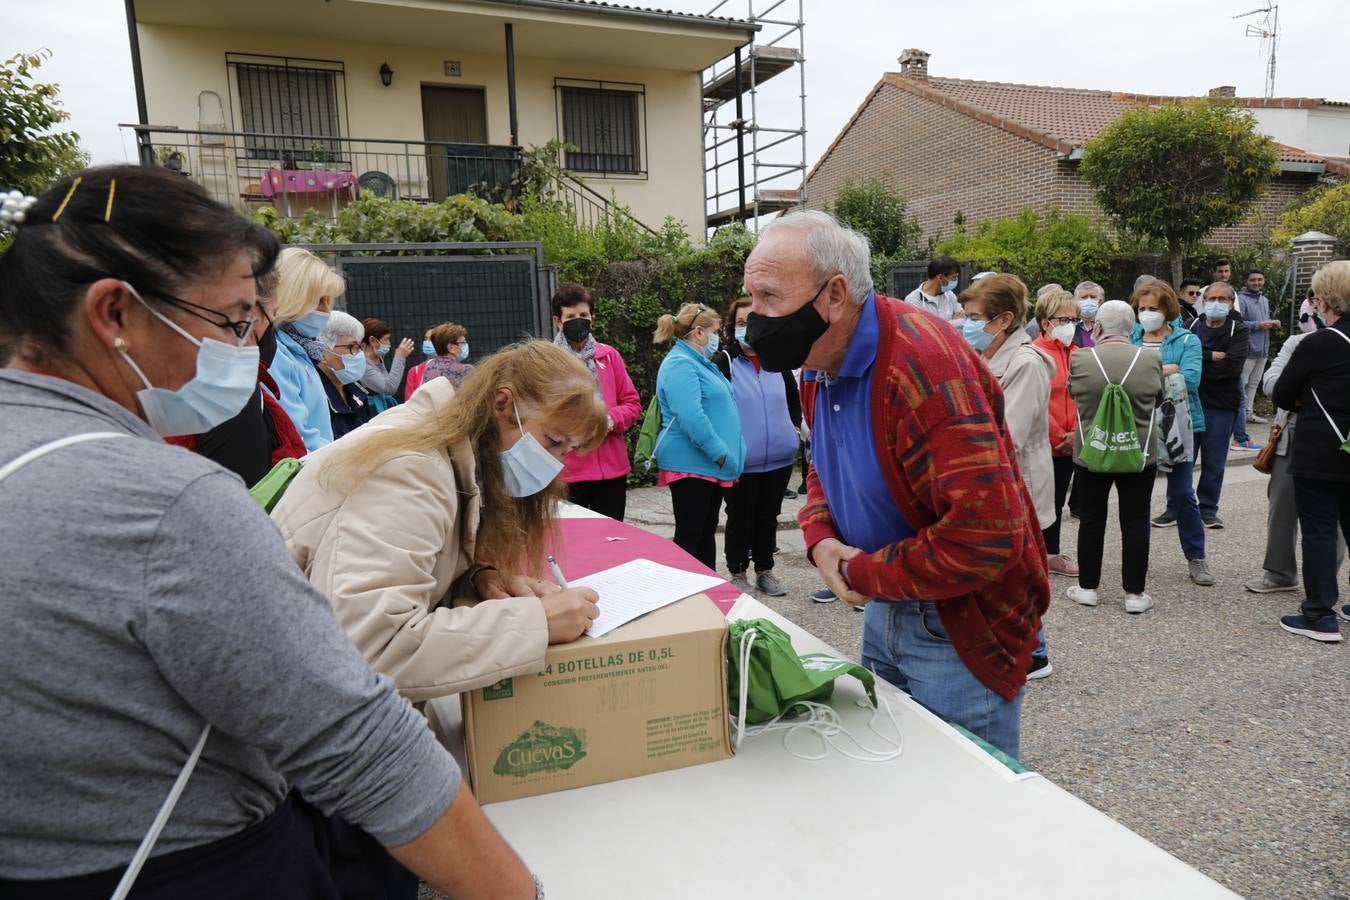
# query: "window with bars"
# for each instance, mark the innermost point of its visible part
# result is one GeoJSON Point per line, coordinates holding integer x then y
{"type": "Point", "coordinates": [605, 126]}
{"type": "Point", "coordinates": [281, 100]}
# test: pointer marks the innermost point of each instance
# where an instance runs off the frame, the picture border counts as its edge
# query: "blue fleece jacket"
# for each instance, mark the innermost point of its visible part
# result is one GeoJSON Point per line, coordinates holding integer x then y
{"type": "Point", "coordinates": [1182, 348]}
{"type": "Point", "coordinates": [700, 422]}
{"type": "Point", "coordinates": [302, 394]}
{"type": "Point", "coordinates": [761, 398]}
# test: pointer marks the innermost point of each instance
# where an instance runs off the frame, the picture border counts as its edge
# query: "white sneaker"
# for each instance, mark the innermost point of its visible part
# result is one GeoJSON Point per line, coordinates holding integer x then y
{"type": "Point", "coordinates": [1137, 603]}
{"type": "Point", "coordinates": [1082, 595]}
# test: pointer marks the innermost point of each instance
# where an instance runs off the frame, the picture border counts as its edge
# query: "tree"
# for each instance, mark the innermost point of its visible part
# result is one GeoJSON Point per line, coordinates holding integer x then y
{"type": "Point", "coordinates": [876, 208]}
{"type": "Point", "coordinates": [1326, 208]}
{"type": "Point", "coordinates": [1065, 249]}
{"type": "Point", "coordinates": [33, 153]}
{"type": "Point", "coordinates": [1178, 171]}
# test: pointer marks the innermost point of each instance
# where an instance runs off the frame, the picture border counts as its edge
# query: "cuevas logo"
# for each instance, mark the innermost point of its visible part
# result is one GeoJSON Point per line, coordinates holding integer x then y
{"type": "Point", "coordinates": [542, 748]}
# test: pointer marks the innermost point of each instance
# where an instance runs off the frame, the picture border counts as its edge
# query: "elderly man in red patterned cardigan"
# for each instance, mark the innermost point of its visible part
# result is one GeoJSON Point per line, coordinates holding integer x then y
{"type": "Point", "coordinates": [915, 502]}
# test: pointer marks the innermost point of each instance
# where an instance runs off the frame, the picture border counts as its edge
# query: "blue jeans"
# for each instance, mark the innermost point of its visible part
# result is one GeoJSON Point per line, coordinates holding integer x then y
{"type": "Point", "coordinates": [1042, 645]}
{"type": "Point", "coordinates": [1212, 452]}
{"type": "Point", "coordinates": [1181, 503]}
{"type": "Point", "coordinates": [905, 643]}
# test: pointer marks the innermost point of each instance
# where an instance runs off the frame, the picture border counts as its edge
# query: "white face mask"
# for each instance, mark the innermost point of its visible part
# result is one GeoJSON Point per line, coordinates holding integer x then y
{"type": "Point", "coordinates": [1064, 333]}
{"type": "Point", "coordinates": [226, 377]}
{"type": "Point", "coordinates": [1151, 320]}
{"type": "Point", "coordinates": [527, 468]}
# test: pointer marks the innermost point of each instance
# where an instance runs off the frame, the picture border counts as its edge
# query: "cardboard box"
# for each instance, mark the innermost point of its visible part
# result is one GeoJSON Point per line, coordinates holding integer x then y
{"type": "Point", "coordinates": [649, 696]}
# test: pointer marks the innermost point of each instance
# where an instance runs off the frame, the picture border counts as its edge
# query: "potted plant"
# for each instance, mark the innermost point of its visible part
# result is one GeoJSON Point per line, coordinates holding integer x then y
{"type": "Point", "coordinates": [169, 158]}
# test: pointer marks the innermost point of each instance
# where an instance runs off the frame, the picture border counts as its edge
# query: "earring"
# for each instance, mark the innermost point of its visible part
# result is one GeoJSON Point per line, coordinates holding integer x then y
{"type": "Point", "coordinates": [119, 345]}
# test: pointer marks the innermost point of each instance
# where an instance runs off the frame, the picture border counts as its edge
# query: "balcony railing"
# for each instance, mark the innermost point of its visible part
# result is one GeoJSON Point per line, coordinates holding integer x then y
{"type": "Point", "coordinates": [296, 173]}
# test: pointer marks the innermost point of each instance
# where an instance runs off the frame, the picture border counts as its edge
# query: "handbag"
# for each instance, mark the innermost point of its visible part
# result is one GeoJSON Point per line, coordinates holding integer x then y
{"type": "Point", "coordinates": [1265, 460]}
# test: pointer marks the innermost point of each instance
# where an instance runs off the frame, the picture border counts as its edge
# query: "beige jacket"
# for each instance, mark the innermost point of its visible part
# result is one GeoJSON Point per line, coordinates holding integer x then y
{"type": "Point", "coordinates": [1024, 372]}
{"type": "Point", "coordinates": [387, 553]}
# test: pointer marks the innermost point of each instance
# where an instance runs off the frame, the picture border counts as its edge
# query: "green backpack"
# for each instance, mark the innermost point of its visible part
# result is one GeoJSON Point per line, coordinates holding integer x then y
{"type": "Point", "coordinates": [1112, 444]}
{"type": "Point", "coordinates": [271, 486]}
{"type": "Point", "coordinates": [649, 436]}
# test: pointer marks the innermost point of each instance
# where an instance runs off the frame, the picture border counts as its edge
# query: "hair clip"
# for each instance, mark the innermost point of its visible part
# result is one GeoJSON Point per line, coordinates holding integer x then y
{"type": "Point", "coordinates": [112, 189]}
{"type": "Point", "coordinates": [70, 193]}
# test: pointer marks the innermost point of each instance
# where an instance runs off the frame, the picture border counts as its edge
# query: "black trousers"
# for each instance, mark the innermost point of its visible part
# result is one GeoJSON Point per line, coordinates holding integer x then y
{"type": "Point", "coordinates": [608, 497]}
{"type": "Point", "coordinates": [697, 505]}
{"type": "Point", "coordinates": [1133, 492]}
{"type": "Point", "coordinates": [1323, 511]}
{"type": "Point", "coordinates": [753, 505]}
{"type": "Point", "coordinates": [1063, 478]}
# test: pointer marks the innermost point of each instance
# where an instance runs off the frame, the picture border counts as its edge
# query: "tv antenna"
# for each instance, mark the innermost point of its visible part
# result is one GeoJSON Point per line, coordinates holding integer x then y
{"type": "Point", "coordinates": [1268, 30]}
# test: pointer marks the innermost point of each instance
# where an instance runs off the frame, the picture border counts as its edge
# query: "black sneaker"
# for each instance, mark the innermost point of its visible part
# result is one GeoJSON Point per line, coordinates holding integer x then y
{"type": "Point", "coordinates": [1345, 612]}
{"type": "Point", "coordinates": [1324, 629]}
{"type": "Point", "coordinates": [801, 489]}
{"type": "Point", "coordinates": [1040, 668]}
{"type": "Point", "coordinates": [824, 595]}
{"type": "Point", "coordinates": [1166, 520]}
{"type": "Point", "coordinates": [789, 494]}
{"type": "Point", "coordinates": [1211, 520]}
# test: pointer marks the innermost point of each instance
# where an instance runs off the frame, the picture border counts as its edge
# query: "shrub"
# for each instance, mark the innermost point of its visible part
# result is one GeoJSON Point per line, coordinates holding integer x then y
{"type": "Point", "coordinates": [1038, 249]}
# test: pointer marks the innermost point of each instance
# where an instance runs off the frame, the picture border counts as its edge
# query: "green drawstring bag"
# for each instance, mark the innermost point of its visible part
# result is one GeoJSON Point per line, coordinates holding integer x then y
{"type": "Point", "coordinates": [271, 486]}
{"type": "Point", "coordinates": [776, 678]}
{"type": "Point", "coordinates": [1112, 443]}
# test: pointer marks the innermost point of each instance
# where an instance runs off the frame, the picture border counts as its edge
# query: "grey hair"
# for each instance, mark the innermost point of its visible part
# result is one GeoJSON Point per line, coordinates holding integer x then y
{"type": "Point", "coordinates": [1143, 279]}
{"type": "Point", "coordinates": [1232, 295]}
{"type": "Point", "coordinates": [341, 325]}
{"type": "Point", "coordinates": [1090, 285]}
{"type": "Point", "coordinates": [834, 249]}
{"type": "Point", "coordinates": [1115, 318]}
{"type": "Point", "coordinates": [978, 275]}
{"type": "Point", "coordinates": [1047, 288]}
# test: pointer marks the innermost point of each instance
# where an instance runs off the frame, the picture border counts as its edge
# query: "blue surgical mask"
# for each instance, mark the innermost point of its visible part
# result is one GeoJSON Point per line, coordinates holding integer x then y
{"type": "Point", "coordinates": [428, 348]}
{"type": "Point", "coordinates": [464, 351]}
{"type": "Point", "coordinates": [714, 343]}
{"type": "Point", "coordinates": [226, 378]}
{"type": "Point", "coordinates": [353, 367]}
{"type": "Point", "coordinates": [950, 285]}
{"type": "Point", "coordinates": [973, 331]}
{"type": "Point", "coordinates": [1087, 308]}
{"type": "Point", "coordinates": [311, 323]}
{"type": "Point", "coordinates": [740, 335]}
{"type": "Point", "coordinates": [1216, 310]}
{"type": "Point", "coordinates": [527, 468]}
{"type": "Point", "coordinates": [382, 351]}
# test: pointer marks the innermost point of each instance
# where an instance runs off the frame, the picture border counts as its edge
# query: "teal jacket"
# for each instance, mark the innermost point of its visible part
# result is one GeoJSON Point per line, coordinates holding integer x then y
{"type": "Point", "coordinates": [700, 421]}
{"type": "Point", "coordinates": [1182, 348]}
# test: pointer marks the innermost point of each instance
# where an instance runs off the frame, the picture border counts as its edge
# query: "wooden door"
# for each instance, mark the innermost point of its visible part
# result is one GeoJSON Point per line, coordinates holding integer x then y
{"type": "Point", "coordinates": [450, 115]}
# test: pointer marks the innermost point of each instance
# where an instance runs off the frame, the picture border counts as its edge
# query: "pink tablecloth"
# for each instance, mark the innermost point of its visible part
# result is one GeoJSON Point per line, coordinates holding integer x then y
{"type": "Point", "coordinates": [587, 549]}
{"type": "Point", "coordinates": [299, 181]}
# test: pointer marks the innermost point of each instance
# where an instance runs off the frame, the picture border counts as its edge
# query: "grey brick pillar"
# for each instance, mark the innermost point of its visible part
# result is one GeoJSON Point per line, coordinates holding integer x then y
{"type": "Point", "coordinates": [1312, 251]}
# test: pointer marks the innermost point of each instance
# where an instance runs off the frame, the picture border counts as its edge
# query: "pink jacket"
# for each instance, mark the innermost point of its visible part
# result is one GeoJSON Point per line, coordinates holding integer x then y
{"type": "Point", "coordinates": [610, 459]}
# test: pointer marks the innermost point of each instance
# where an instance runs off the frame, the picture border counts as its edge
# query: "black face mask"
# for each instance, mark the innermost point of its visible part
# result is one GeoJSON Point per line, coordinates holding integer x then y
{"type": "Point", "coordinates": [783, 343]}
{"type": "Point", "coordinates": [576, 330]}
{"type": "Point", "coordinates": [267, 344]}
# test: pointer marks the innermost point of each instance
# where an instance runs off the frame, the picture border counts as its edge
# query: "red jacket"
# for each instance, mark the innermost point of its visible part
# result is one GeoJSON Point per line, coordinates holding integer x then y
{"type": "Point", "coordinates": [1063, 411]}
{"type": "Point", "coordinates": [610, 459]}
{"type": "Point", "coordinates": [937, 412]}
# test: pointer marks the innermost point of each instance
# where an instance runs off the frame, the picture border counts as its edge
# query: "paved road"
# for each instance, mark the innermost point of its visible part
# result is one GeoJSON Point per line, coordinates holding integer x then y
{"type": "Point", "coordinates": [1201, 725]}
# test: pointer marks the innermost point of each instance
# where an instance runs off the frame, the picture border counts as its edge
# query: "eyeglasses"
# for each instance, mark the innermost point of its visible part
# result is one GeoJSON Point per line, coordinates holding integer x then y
{"type": "Point", "coordinates": [1064, 320]}
{"type": "Point", "coordinates": [217, 318]}
{"type": "Point", "coordinates": [348, 348]}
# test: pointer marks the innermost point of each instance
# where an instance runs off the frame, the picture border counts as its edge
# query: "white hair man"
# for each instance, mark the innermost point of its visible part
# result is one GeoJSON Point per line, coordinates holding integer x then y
{"type": "Point", "coordinates": [1090, 296]}
{"type": "Point", "coordinates": [343, 365]}
{"type": "Point", "coordinates": [914, 501]}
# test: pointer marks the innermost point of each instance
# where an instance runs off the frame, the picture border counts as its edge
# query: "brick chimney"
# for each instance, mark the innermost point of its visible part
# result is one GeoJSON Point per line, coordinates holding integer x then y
{"type": "Point", "coordinates": [914, 64]}
{"type": "Point", "coordinates": [1223, 90]}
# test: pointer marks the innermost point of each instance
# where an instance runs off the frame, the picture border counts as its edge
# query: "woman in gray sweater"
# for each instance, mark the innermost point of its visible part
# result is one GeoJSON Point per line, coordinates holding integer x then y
{"type": "Point", "coordinates": [377, 379]}
{"type": "Point", "coordinates": [153, 616]}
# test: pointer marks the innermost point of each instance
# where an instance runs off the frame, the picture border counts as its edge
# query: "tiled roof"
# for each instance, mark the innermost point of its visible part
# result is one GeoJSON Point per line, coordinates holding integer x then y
{"type": "Point", "coordinates": [624, 9]}
{"type": "Point", "coordinates": [1063, 119]}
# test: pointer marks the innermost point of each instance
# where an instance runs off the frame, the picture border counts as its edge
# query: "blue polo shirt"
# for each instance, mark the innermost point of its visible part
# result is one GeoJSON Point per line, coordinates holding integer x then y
{"type": "Point", "coordinates": [844, 450]}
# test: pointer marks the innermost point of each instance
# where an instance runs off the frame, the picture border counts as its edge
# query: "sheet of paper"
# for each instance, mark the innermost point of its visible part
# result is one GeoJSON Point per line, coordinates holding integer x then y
{"type": "Point", "coordinates": [638, 587]}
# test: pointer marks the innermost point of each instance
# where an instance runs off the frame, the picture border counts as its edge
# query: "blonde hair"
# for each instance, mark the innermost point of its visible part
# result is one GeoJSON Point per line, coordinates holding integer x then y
{"type": "Point", "coordinates": [999, 294]}
{"type": "Point", "coordinates": [1331, 285]}
{"type": "Point", "coordinates": [1051, 302]}
{"type": "Point", "coordinates": [690, 316]}
{"type": "Point", "coordinates": [302, 281]}
{"type": "Point", "coordinates": [515, 534]}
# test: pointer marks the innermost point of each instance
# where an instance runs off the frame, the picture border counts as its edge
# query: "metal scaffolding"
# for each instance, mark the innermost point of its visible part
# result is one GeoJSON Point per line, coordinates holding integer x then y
{"type": "Point", "coordinates": [742, 183]}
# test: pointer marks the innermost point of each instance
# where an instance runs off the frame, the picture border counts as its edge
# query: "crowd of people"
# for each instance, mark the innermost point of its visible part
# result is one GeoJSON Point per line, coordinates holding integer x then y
{"type": "Point", "coordinates": [406, 560]}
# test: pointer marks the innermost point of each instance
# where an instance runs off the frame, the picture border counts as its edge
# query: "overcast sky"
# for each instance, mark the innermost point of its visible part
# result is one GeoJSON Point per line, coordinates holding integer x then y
{"type": "Point", "coordinates": [1148, 46]}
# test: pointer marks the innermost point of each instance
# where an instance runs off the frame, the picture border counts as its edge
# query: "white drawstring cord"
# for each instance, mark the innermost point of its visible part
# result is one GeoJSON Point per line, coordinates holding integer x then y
{"type": "Point", "coordinates": [820, 719]}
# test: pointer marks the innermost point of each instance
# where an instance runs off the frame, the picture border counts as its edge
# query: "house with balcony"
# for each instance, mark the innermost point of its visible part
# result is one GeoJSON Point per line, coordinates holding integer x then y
{"type": "Point", "coordinates": [306, 104]}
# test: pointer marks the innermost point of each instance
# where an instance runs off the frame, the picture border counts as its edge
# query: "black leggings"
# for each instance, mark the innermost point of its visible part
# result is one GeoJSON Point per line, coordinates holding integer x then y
{"type": "Point", "coordinates": [697, 505]}
{"type": "Point", "coordinates": [753, 505]}
{"type": "Point", "coordinates": [1063, 477]}
{"type": "Point", "coordinates": [608, 497]}
{"type": "Point", "coordinates": [1133, 493]}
